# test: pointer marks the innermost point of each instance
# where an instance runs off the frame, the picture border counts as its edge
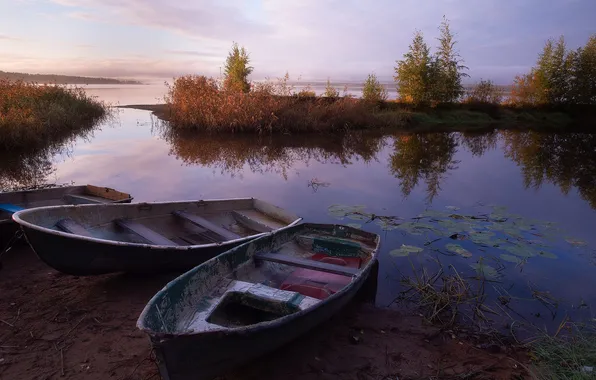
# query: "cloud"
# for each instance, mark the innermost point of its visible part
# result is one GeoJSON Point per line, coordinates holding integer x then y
{"type": "Point", "coordinates": [82, 16]}
{"type": "Point", "coordinates": [5, 37]}
{"type": "Point", "coordinates": [204, 19]}
{"type": "Point", "coordinates": [337, 38]}
{"type": "Point", "coordinates": [195, 53]}
{"type": "Point", "coordinates": [126, 67]}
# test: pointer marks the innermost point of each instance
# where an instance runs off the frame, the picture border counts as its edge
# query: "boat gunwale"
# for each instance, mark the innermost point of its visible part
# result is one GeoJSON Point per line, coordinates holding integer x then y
{"type": "Point", "coordinates": [162, 336]}
{"type": "Point", "coordinates": [16, 217]}
{"type": "Point", "coordinates": [70, 187]}
{"type": "Point", "coordinates": [9, 219]}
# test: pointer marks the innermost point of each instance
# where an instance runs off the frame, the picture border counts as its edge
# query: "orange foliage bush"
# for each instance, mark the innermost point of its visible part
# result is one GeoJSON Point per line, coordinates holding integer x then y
{"type": "Point", "coordinates": [198, 102]}
{"type": "Point", "coordinates": [525, 90]}
{"type": "Point", "coordinates": [31, 114]}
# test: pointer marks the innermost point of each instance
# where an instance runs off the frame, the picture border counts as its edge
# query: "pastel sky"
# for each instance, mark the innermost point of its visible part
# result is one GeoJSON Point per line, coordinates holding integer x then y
{"type": "Point", "coordinates": [315, 39]}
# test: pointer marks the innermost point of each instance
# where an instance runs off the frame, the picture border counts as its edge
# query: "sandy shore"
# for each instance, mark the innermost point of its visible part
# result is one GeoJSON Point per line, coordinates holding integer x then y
{"type": "Point", "coordinates": [55, 326]}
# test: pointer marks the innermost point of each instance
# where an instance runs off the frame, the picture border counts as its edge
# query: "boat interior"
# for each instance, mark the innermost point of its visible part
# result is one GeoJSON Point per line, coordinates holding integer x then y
{"type": "Point", "coordinates": [294, 276]}
{"type": "Point", "coordinates": [168, 224]}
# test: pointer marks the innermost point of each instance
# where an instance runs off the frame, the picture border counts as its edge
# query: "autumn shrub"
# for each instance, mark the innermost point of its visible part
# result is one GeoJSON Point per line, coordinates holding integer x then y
{"type": "Point", "coordinates": [32, 115]}
{"type": "Point", "coordinates": [525, 91]}
{"type": "Point", "coordinates": [198, 103]}
{"type": "Point", "coordinates": [306, 92]}
{"type": "Point", "coordinates": [485, 92]}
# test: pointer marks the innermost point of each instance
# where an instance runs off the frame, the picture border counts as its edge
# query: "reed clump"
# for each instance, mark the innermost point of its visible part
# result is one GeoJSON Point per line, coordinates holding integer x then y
{"type": "Point", "coordinates": [202, 103]}
{"type": "Point", "coordinates": [31, 114]}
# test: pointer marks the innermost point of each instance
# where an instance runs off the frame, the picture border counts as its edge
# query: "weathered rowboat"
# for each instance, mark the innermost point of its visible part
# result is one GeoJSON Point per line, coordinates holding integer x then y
{"type": "Point", "coordinates": [255, 298]}
{"type": "Point", "coordinates": [11, 202]}
{"type": "Point", "coordinates": [145, 237]}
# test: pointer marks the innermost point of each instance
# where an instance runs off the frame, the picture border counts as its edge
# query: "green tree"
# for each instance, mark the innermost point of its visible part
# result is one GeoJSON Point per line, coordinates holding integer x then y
{"type": "Point", "coordinates": [237, 70]}
{"type": "Point", "coordinates": [446, 76]}
{"type": "Point", "coordinates": [373, 90]}
{"type": "Point", "coordinates": [553, 73]}
{"type": "Point", "coordinates": [412, 74]}
{"type": "Point", "coordinates": [330, 91]}
{"type": "Point", "coordinates": [583, 67]}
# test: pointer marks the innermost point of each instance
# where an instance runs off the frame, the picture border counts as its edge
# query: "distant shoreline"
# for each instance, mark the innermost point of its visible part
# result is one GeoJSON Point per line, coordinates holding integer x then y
{"type": "Point", "coordinates": [64, 79]}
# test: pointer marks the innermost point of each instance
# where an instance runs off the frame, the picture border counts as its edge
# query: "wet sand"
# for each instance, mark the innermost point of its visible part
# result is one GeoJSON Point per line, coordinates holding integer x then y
{"type": "Point", "coordinates": [55, 326]}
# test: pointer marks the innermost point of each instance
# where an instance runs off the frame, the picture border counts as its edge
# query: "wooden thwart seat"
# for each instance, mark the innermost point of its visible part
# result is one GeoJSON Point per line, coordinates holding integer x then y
{"type": "Point", "coordinates": [72, 227]}
{"type": "Point", "coordinates": [144, 232]}
{"type": "Point", "coordinates": [307, 264]}
{"type": "Point", "coordinates": [248, 222]}
{"type": "Point", "coordinates": [83, 199]}
{"type": "Point", "coordinates": [210, 226]}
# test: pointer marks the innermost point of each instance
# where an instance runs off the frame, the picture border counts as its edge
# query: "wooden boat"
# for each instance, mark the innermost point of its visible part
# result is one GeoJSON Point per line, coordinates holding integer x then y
{"type": "Point", "coordinates": [255, 298]}
{"type": "Point", "coordinates": [145, 237]}
{"type": "Point", "coordinates": [11, 202]}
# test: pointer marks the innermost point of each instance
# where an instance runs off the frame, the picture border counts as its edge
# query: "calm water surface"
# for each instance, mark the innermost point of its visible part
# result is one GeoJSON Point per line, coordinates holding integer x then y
{"type": "Point", "coordinates": [539, 178]}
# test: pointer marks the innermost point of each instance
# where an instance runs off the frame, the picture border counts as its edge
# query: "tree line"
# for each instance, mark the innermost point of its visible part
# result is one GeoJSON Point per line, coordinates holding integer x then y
{"type": "Point", "coordinates": [560, 76]}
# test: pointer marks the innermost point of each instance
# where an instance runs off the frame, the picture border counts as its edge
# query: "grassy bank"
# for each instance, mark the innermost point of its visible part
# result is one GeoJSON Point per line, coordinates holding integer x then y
{"type": "Point", "coordinates": [329, 115]}
{"type": "Point", "coordinates": [32, 115]}
{"type": "Point", "coordinates": [572, 355]}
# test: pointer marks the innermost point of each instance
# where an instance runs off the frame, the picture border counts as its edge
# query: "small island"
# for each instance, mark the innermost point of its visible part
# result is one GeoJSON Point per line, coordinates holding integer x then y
{"type": "Point", "coordinates": [558, 93]}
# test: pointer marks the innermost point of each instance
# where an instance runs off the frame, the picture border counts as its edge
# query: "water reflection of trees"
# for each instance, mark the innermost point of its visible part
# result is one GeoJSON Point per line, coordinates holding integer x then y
{"type": "Point", "coordinates": [478, 143]}
{"type": "Point", "coordinates": [425, 157]}
{"type": "Point", "coordinates": [565, 159]}
{"type": "Point", "coordinates": [32, 168]}
{"type": "Point", "coordinates": [24, 170]}
{"type": "Point", "coordinates": [277, 154]}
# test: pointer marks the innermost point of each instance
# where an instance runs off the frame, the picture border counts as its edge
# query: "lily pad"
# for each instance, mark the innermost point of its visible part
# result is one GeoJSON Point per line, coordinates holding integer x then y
{"type": "Point", "coordinates": [520, 251]}
{"type": "Point", "coordinates": [483, 238]}
{"type": "Point", "coordinates": [415, 228]}
{"type": "Point", "coordinates": [485, 271]}
{"type": "Point", "coordinates": [511, 258]}
{"type": "Point", "coordinates": [459, 217]}
{"type": "Point", "coordinates": [511, 230]}
{"type": "Point", "coordinates": [358, 216]}
{"type": "Point", "coordinates": [434, 214]}
{"type": "Point", "coordinates": [499, 213]}
{"type": "Point", "coordinates": [548, 255]}
{"type": "Point", "coordinates": [576, 242]}
{"type": "Point", "coordinates": [405, 250]}
{"type": "Point", "coordinates": [456, 248]}
{"type": "Point", "coordinates": [340, 211]}
{"type": "Point", "coordinates": [449, 226]}
{"type": "Point", "coordinates": [387, 225]}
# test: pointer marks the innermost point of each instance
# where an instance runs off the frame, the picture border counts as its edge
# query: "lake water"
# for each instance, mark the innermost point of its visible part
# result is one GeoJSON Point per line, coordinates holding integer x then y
{"type": "Point", "coordinates": [507, 187]}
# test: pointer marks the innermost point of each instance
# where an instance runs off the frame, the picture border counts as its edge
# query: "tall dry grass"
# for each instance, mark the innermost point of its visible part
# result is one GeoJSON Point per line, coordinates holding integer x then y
{"type": "Point", "coordinates": [33, 115]}
{"type": "Point", "coordinates": [201, 103]}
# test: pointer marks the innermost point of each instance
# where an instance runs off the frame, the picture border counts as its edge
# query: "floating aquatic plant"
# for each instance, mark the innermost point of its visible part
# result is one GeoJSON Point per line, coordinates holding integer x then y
{"type": "Point", "coordinates": [405, 250]}
{"type": "Point", "coordinates": [458, 249]}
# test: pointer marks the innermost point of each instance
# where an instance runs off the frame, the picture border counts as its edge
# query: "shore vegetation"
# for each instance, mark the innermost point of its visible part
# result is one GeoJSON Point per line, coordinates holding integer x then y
{"type": "Point", "coordinates": [32, 115]}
